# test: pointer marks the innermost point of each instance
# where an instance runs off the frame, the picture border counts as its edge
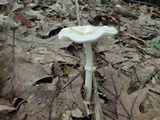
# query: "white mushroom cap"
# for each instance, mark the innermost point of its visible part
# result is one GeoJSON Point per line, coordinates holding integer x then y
{"type": "Point", "coordinates": [81, 34]}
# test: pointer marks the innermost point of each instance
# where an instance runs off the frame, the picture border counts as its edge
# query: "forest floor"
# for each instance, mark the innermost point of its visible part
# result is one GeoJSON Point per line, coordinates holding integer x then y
{"type": "Point", "coordinates": [42, 77]}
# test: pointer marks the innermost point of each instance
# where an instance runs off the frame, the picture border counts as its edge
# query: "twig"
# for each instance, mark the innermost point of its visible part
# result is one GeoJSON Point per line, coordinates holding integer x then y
{"type": "Point", "coordinates": [59, 91]}
{"type": "Point", "coordinates": [78, 12]}
{"type": "Point", "coordinates": [118, 10]}
{"type": "Point", "coordinates": [139, 39]}
{"type": "Point", "coordinates": [149, 77]}
{"type": "Point", "coordinates": [13, 51]}
{"type": "Point", "coordinates": [97, 106]}
{"type": "Point", "coordinates": [124, 12]}
{"type": "Point", "coordinates": [132, 107]}
{"type": "Point", "coordinates": [113, 113]}
{"type": "Point", "coordinates": [157, 55]}
{"type": "Point", "coordinates": [120, 101]}
{"type": "Point", "coordinates": [93, 47]}
{"type": "Point", "coordinates": [65, 85]}
{"type": "Point", "coordinates": [156, 67]}
{"type": "Point", "coordinates": [145, 3]}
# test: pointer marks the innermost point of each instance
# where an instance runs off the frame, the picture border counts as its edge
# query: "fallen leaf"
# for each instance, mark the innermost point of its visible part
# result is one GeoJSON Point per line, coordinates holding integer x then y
{"type": "Point", "coordinates": [38, 100]}
{"type": "Point", "coordinates": [70, 97]}
{"type": "Point", "coordinates": [45, 55]}
{"type": "Point", "coordinates": [20, 18]}
{"type": "Point", "coordinates": [5, 106]}
{"type": "Point", "coordinates": [67, 115]}
{"type": "Point", "coordinates": [112, 87]}
{"type": "Point", "coordinates": [128, 106]}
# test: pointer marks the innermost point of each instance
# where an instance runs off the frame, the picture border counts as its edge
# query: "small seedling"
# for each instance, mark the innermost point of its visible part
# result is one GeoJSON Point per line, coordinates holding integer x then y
{"type": "Point", "coordinates": [154, 43]}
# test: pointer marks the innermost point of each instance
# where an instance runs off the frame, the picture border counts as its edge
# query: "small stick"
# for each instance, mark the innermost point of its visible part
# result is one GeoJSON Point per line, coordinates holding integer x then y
{"type": "Point", "coordinates": [148, 78]}
{"type": "Point", "coordinates": [144, 3]}
{"type": "Point", "coordinates": [139, 39]}
{"type": "Point", "coordinates": [97, 105]}
{"type": "Point", "coordinates": [13, 51]}
{"type": "Point", "coordinates": [70, 81]}
{"type": "Point", "coordinates": [78, 12]}
{"type": "Point", "coordinates": [156, 67]}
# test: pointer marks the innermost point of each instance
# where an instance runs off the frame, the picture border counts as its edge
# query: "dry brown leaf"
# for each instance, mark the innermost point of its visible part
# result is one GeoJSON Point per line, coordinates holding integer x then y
{"type": "Point", "coordinates": [115, 58]}
{"type": "Point", "coordinates": [129, 106]}
{"type": "Point", "coordinates": [56, 69]}
{"type": "Point", "coordinates": [154, 97]}
{"type": "Point", "coordinates": [27, 73]}
{"type": "Point", "coordinates": [41, 99]}
{"type": "Point", "coordinates": [5, 106]}
{"type": "Point", "coordinates": [6, 109]}
{"type": "Point", "coordinates": [69, 71]}
{"type": "Point", "coordinates": [20, 18]}
{"type": "Point", "coordinates": [67, 115]}
{"type": "Point", "coordinates": [112, 87]}
{"type": "Point", "coordinates": [70, 97]}
{"type": "Point", "coordinates": [108, 45]}
{"type": "Point", "coordinates": [46, 55]}
{"type": "Point", "coordinates": [144, 69]}
{"type": "Point", "coordinates": [34, 14]}
{"type": "Point", "coordinates": [38, 100]}
{"type": "Point", "coordinates": [115, 89]}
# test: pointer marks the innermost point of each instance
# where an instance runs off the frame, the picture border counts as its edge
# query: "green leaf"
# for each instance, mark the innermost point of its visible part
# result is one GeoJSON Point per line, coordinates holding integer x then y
{"type": "Point", "coordinates": [154, 43]}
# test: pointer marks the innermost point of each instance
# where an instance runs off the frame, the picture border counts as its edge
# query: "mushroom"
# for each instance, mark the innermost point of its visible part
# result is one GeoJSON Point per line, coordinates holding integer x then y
{"type": "Point", "coordinates": [86, 35]}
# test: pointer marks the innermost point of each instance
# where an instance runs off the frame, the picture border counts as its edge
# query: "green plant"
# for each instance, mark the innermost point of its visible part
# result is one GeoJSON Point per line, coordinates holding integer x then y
{"type": "Point", "coordinates": [154, 43]}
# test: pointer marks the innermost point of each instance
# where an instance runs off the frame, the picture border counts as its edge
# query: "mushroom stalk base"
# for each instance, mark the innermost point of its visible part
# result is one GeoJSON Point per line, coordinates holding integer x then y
{"type": "Point", "coordinates": [88, 85]}
{"type": "Point", "coordinates": [89, 69]}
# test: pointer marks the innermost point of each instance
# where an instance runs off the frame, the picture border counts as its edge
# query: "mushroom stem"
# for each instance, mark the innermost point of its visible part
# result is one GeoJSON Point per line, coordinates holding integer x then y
{"type": "Point", "coordinates": [89, 69]}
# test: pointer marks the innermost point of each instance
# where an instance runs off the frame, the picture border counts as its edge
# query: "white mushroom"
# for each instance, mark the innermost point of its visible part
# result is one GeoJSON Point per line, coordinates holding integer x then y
{"type": "Point", "coordinates": [86, 35]}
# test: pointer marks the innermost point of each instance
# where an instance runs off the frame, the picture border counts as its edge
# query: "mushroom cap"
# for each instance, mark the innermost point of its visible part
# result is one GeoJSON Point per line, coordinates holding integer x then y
{"type": "Point", "coordinates": [88, 33]}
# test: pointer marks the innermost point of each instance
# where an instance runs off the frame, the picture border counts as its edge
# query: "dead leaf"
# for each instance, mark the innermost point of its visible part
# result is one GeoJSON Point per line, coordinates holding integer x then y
{"type": "Point", "coordinates": [72, 113]}
{"type": "Point", "coordinates": [131, 106]}
{"type": "Point", "coordinates": [70, 98]}
{"type": "Point", "coordinates": [108, 45]}
{"type": "Point", "coordinates": [30, 14]}
{"type": "Point", "coordinates": [27, 73]}
{"type": "Point", "coordinates": [5, 106]}
{"type": "Point", "coordinates": [6, 109]}
{"type": "Point", "coordinates": [20, 18]}
{"type": "Point", "coordinates": [112, 87]}
{"type": "Point", "coordinates": [38, 100]}
{"type": "Point", "coordinates": [6, 69]}
{"type": "Point", "coordinates": [144, 69]}
{"type": "Point", "coordinates": [69, 71]}
{"type": "Point", "coordinates": [52, 100]}
{"type": "Point", "coordinates": [154, 97]}
{"type": "Point", "coordinates": [45, 55]}
{"type": "Point", "coordinates": [115, 58]}
{"type": "Point", "coordinates": [56, 69]}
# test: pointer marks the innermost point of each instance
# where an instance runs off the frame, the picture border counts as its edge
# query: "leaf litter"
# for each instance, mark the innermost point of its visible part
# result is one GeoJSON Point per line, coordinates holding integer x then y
{"type": "Point", "coordinates": [48, 80]}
